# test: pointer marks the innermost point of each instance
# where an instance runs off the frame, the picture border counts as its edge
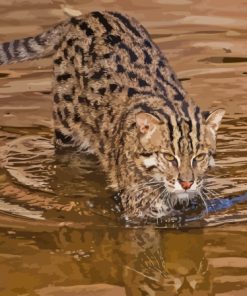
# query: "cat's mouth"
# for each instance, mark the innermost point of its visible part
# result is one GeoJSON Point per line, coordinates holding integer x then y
{"type": "Point", "coordinates": [181, 197]}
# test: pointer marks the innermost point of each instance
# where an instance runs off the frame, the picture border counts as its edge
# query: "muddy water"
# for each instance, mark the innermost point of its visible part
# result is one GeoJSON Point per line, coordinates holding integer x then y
{"type": "Point", "coordinates": [60, 229]}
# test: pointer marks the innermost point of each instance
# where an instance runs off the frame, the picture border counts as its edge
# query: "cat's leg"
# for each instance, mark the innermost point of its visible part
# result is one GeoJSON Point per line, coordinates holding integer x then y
{"type": "Point", "coordinates": [69, 129]}
{"type": "Point", "coordinates": [63, 101]}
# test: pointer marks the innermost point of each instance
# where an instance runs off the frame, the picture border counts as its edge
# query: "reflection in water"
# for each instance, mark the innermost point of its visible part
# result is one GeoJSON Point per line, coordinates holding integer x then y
{"type": "Point", "coordinates": [146, 262]}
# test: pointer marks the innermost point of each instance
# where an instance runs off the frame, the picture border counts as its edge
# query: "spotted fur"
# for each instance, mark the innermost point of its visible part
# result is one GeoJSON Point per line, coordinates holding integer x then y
{"type": "Point", "coordinates": [116, 96]}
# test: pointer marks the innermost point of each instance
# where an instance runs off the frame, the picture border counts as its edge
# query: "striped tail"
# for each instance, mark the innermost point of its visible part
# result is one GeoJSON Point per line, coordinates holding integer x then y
{"type": "Point", "coordinates": [31, 48]}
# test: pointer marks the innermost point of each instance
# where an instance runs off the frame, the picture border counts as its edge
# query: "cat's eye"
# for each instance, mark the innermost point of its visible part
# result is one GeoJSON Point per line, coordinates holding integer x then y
{"type": "Point", "coordinates": [200, 157]}
{"type": "Point", "coordinates": [169, 157]}
{"type": "Point", "coordinates": [146, 154]}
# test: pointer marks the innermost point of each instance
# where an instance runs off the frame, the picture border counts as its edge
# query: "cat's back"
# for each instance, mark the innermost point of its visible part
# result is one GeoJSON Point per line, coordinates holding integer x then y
{"type": "Point", "coordinates": [112, 47]}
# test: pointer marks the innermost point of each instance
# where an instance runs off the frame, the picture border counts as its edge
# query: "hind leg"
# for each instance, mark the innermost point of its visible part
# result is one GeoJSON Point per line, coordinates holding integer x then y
{"type": "Point", "coordinates": [69, 131]}
{"type": "Point", "coordinates": [63, 135]}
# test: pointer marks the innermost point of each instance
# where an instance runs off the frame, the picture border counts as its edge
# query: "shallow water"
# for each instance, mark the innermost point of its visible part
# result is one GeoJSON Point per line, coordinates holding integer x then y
{"type": "Point", "coordinates": [60, 229]}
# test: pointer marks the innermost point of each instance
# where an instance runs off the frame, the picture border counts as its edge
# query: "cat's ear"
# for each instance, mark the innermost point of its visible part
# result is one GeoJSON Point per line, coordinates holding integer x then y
{"type": "Point", "coordinates": [146, 122]}
{"type": "Point", "coordinates": [214, 118]}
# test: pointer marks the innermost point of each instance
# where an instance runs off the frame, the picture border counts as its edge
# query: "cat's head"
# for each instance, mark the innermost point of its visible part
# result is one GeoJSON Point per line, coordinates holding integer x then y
{"type": "Point", "coordinates": [174, 152]}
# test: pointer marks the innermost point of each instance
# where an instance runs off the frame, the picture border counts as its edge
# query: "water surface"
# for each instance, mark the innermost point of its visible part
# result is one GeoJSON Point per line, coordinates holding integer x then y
{"type": "Point", "coordinates": [61, 231]}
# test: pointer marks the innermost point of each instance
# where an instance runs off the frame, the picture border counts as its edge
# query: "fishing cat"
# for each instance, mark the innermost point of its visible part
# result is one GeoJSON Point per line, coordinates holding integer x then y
{"type": "Point", "coordinates": [116, 96]}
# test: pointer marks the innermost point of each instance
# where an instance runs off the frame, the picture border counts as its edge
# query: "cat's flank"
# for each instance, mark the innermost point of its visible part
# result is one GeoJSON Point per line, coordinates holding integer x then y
{"type": "Point", "coordinates": [116, 96]}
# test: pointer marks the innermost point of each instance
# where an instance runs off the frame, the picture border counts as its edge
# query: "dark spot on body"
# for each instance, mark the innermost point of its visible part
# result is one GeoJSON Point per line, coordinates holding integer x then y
{"type": "Point", "coordinates": [106, 133]}
{"type": "Point", "coordinates": [118, 58]}
{"type": "Point", "coordinates": [113, 87]}
{"type": "Point", "coordinates": [161, 64]}
{"type": "Point", "coordinates": [58, 61]}
{"type": "Point", "coordinates": [63, 77]}
{"type": "Point", "coordinates": [78, 49]}
{"type": "Point", "coordinates": [131, 53]}
{"type": "Point", "coordinates": [147, 43]}
{"type": "Point", "coordinates": [70, 42]}
{"type": "Point", "coordinates": [75, 21]}
{"type": "Point", "coordinates": [83, 100]}
{"type": "Point", "coordinates": [142, 82]}
{"type": "Point", "coordinates": [132, 75]}
{"type": "Point", "coordinates": [65, 53]}
{"type": "Point", "coordinates": [85, 27]}
{"type": "Point", "coordinates": [85, 81]}
{"type": "Point", "coordinates": [56, 98]}
{"type": "Point", "coordinates": [120, 69]}
{"type": "Point", "coordinates": [127, 23]}
{"type": "Point", "coordinates": [178, 97]}
{"type": "Point", "coordinates": [97, 75]}
{"type": "Point", "coordinates": [77, 117]}
{"type": "Point", "coordinates": [59, 113]}
{"type": "Point", "coordinates": [159, 75]}
{"type": "Point", "coordinates": [102, 20]}
{"type": "Point", "coordinates": [66, 139]}
{"type": "Point", "coordinates": [96, 105]}
{"type": "Point", "coordinates": [107, 55]}
{"type": "Point", "coordinates": [77, 74]}
{"type": "Point", "coordinates": [102, 90]}
{"type": "Point", "coordinates": [68, 98]}
{"type": "Point", "coordinates": [66, 112]}
{"type": "Point", "coordinates": [101, 146]}
{"type": "Point", "coordinates": [147, 57]}
{"type": "Point", "coordinates": [132, 92]}
{"type": "Point", "coordinates": [113, 39]}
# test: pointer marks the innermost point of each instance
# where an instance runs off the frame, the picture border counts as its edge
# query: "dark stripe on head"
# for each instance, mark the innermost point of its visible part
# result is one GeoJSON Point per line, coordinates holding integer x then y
{"type": "Point", "coordinates": [103, 21]}
{"type": "Point", "coordinates": [198, 124]}
{"type": "Point", "coordinates": [127, 23]}
{"type": "Point", "coordinates": [179, 124]}
{"type": "Point", "coordinates": [185, 107]}
{"type": "Point", "coordinates": [189, 133]}
{"type": "Point", "coordinates": [170, 126]}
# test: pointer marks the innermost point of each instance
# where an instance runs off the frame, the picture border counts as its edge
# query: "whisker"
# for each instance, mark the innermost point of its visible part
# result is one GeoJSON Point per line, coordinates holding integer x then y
{"type": "Point", "coordinates": [204, 202]}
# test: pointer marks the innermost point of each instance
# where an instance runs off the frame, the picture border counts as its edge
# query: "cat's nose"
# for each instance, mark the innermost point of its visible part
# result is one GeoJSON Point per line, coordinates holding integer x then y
{"type": "Point", "coordinates": [186, 184]}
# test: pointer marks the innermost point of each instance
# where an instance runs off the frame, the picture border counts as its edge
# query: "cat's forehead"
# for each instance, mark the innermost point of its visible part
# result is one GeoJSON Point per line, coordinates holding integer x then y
{"type": "Point", "coordinates": [184, 135]}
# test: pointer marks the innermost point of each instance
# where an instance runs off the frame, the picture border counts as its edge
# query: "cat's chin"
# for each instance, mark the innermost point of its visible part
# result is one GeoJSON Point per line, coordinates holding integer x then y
{"type": "Point", "coordinates": [181, 197]}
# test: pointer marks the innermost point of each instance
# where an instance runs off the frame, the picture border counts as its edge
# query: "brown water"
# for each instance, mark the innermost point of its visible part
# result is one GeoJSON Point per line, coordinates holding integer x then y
{"type": "Point", "coordinates": [60, 230]}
